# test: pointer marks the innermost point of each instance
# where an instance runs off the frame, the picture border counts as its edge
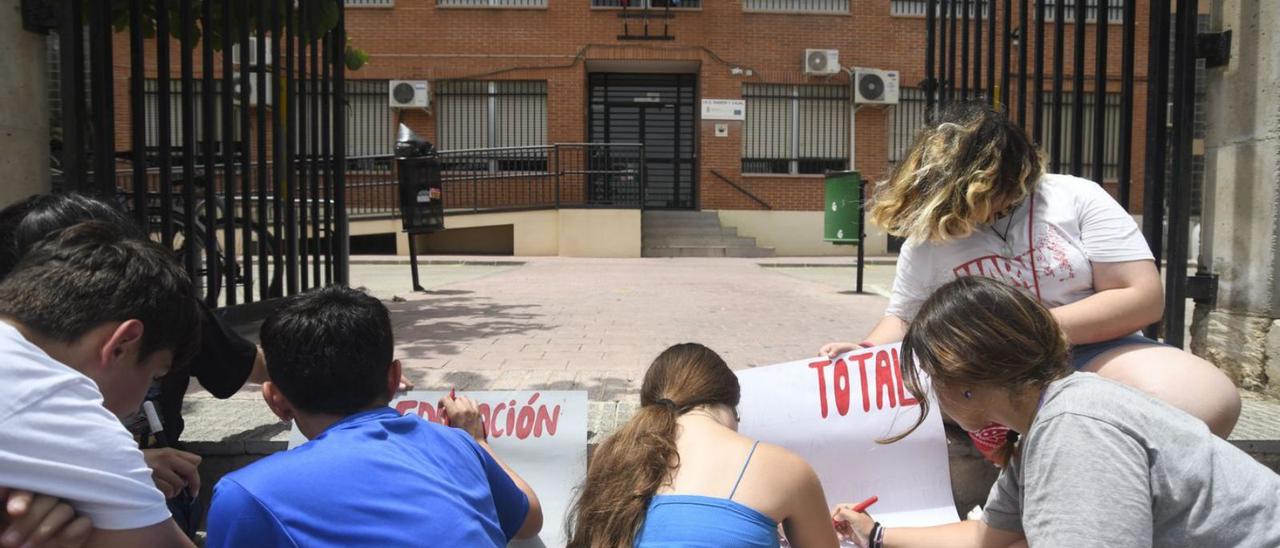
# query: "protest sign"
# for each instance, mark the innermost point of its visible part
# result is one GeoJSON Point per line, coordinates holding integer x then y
{"type": "Point", "coordinates": [542, 435]}
{"type": "Point", "coordinates": [831, 412]}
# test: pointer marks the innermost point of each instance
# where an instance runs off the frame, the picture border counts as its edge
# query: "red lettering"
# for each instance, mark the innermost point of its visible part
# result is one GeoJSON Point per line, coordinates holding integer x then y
{"type": "Point", "coordinates": [546, 420]}
{"type": "Point", "coordinates": [841, 385]}
{"type": "Point", "coordinates": [862, 373]}
{"type": "Point", "coordinates": [884, 380]}
{"type": "Point", "coordinates": [405, 406]}
{"type": "Point", "coordinates": [494, 431]}
{"type": "Point", "coordinates": [822, 384]}
{"type": "Point", "coordinates": [428, 411]}
{"type": "Point", "coordinates": [904, 397]}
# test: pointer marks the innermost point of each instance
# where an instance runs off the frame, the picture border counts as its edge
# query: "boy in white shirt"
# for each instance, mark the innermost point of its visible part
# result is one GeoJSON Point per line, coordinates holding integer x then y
{"type": "Point", "coordinates": [87, 320]}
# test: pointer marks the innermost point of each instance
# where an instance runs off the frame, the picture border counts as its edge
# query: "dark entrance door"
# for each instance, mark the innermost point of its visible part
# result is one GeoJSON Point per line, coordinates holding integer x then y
{"type": "Point", "coordinates": [657, 110]}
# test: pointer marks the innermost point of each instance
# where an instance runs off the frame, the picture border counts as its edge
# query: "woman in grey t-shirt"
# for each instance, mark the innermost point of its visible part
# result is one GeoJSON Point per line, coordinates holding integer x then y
{"type": "Point", "coordinates": [1099, 463]}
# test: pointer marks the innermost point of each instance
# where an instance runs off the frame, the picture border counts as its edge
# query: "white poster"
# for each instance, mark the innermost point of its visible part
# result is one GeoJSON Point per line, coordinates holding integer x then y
{"type": "Point", "coordinates": [831, 412]}
{"type": "Point", "coordinates": [542, 435]}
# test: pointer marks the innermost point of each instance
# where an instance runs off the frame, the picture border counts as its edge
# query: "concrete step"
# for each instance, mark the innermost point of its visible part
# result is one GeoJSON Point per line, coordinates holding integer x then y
{"type": "Point", "coordinates": [706, 251]}
{"type": "Point", "coordinates": [694, 234]}
{"type": "Point", "coordinates": [730, 241]}
{"type": "Point", "coordinates": [670, 231]}
{"type": "Point", "coordinates": [680, 218]}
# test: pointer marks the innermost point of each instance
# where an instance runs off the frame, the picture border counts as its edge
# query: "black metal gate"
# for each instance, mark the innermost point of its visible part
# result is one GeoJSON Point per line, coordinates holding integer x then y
{"type": "Point", "coordinates": [658, 111]}
{"type": "Point", "coordinates": [235, 149]}
{"type": "Point", "coordinates": [996, 50]}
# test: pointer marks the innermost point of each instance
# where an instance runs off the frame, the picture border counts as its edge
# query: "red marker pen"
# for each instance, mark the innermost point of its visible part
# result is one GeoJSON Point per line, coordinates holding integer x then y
{"type": "Point", "coordinates": [862, 506]}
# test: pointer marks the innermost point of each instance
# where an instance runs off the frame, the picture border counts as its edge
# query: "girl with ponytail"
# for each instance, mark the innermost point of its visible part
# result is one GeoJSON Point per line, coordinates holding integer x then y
{"type": "Point", "coordinates": [679, 474]}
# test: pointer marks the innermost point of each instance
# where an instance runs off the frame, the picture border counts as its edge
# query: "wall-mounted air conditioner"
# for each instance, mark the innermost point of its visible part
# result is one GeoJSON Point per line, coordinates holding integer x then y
{"type": "Point", "coordinates": [875, 87]}
{"type": "Point", "coordinates": [409, 94]}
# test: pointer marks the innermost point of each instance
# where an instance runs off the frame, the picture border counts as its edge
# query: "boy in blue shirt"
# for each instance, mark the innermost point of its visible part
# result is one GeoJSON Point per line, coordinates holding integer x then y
{"type": "Point", "coordinates": [369, 476]}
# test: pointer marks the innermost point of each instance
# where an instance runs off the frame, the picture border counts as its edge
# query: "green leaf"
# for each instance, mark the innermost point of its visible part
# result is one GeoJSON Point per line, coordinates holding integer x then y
{"type": "Point", "coordinates": [355, 58]}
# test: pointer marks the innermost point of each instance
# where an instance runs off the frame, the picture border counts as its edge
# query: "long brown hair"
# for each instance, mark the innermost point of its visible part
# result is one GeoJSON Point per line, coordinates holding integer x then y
{"type": "Point", "coordinates": [970, 160]}
{"type": "Point", "coordinates": [629, 467]}
{"type": "Point", "coordinates": [977, 331]}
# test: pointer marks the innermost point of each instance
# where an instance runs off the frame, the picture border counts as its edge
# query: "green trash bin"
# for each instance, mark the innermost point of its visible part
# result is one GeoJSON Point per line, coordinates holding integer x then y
{"type": "Point", "coordinates": [842, 219]}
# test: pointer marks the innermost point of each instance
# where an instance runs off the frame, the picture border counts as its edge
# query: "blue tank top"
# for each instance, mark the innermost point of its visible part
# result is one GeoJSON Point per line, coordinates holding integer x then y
{"type": "Point", "coordinates": [699, 521]}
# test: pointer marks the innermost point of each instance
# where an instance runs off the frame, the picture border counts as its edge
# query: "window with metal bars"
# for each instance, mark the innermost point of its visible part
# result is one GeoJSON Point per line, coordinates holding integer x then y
{"type": "Point", "coordinates": [905, 120]}
{"type": "Point", "coordinates": [1110, 134]}
{"type": "Point", "coordinates": [642, 4]}
{"type": "Point", "coordinates": [1115, 10]}
{"type": "Point", "coordinates": [151, 101]}
{"type": "Point", "coordinates": [473, 114]}
{"type": "Point", "coordinates": [797, 6]}
{"type": "Point", "coordinates": [369, 3]}
{"type": "Point", "coordinates": [492, 3]}
{"type": "Point", "coordinates": [795, 129]}
{"type": "Point", "coordinates": [920, 8]}
{"type": "Point", "coordinates": [370, 126]}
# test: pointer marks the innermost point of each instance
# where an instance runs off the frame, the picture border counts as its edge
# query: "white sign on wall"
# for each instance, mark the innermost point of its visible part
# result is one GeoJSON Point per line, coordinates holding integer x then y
{"type": "Point", "coordinates": [831, 412]}
{"type": "Point", "coordinates": [724, 109]}
{"type": "Point", "coordinates": [542, 435]}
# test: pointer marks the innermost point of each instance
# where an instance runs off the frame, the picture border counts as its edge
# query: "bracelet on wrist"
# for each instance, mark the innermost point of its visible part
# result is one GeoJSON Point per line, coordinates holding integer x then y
{"type": "Point", "coordinates": [876, 538]}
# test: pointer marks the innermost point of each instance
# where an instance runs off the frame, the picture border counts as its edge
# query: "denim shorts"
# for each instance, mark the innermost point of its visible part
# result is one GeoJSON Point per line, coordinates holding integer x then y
{"type": "Point", "coordinates": [1082, 354]}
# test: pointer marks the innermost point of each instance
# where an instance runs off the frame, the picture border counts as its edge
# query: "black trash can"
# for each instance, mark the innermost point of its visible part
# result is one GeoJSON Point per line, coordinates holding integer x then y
{"type": "Point", "coordinates": [421, 204]}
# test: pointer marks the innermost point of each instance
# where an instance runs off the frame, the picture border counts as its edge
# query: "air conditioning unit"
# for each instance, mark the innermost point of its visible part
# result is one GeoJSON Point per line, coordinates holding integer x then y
{"type": "Point", "coordinates": [409, 94]}
{"type": "Point", "coordinates": [253, 52]}
{"type": "Point", "coordinates": [237, 82]}
{"type": "Point", "coordinates": [821, 61]}
{"type": "Point", "coordinates": [875, 87]}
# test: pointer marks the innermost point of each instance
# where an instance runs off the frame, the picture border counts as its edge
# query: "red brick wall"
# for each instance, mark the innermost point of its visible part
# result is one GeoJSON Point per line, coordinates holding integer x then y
{"type": "Point", "coordinates": [418, 40]}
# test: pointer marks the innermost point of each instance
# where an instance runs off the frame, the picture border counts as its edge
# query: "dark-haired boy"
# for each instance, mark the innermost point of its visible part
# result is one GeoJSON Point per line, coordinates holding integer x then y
{"type": "Point", "coordinates": [87, 320]}
{"type": "Point", "coordinates": [369, 476]}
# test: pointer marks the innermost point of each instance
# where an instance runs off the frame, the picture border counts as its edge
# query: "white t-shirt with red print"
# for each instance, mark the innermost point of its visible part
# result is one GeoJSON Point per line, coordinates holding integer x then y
{"type": "Point", "coordinates": [1074, 223]}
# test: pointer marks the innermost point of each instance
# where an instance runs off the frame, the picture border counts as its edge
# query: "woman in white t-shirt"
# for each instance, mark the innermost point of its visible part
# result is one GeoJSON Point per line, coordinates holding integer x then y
{"type": "Point", "coordinates": [972, 199]}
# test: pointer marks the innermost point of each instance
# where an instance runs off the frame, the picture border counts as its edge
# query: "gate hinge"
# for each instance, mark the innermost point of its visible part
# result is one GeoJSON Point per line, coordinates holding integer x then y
{"type": "Point", "coordinates": [1203, 288]}
{"type": "Point", "coordinates": [1214, 48]}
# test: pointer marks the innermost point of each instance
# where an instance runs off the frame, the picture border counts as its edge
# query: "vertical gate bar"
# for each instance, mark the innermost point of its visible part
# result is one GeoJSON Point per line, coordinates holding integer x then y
{"type": "Point", "coordinates": [303, 153]}
{"type": "Point", "coordinates": [1059, 32]}
{"type": "Point", "coordinates": [1126, 101]}
{"type": "Point", "coordinates": [138, 115]}
{"type": "Point", "coordinates": [71, 50]}
{"type": "Point", "coordinates": [990, 6]}
{"type": "Point", "coordinates": [325, 120]}
{"type": "Point", "coordinates": [228, 145]}
{"type": "Point", "coordinates": [977, 48]}
{"type": "Point", "coordinates": [1100, 90]}
{"type": "Point", "coordinates": [341, 272]}
{"type": "Point", "coordinates": [1006, 56]}
{"type": "Point", "coordinates": [208, 123]}
{"type": "Point", "coordinates": [1037, 90]}
{"type": "Point", "coordinates": [964, 50]}
{"type": "Point", "coordinates": [266, 84]}
{"type": "Point", "coordinates": [1184, 88]}
{"type": "Point", "coordinates": [1156, 170]}
{"type": "Point", "coordinates": [290, 154]}
{"type": "Point", "coordinates": [101, 84]}
{"type": "Point", "coordinates": [1077, 92]}
{"type": "Point", "coordinates": [954, 55]}
{"type": "Point", "coordinates": [279, 126]}
{"type": "Point", "coordinates": [187, 62]}
{"type": "Point", "coordinates": [1024, 43]}
{"type": "Point", "coordinates": [943, 53]}
{"type": "Point", "coordinates": [246, 153]}
{"type": "Point", "coordinates": [316, 164]}
{"type": "Point", "coordinates": [930, 35]}
{"type": "Point", "coordinates": [164, 124]}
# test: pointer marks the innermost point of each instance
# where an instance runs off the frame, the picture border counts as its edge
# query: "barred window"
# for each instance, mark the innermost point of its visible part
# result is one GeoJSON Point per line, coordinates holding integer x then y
{"type": "Point", "coordinates": [905, 120]}
{"type": "Point", "coordinates": [1115, 10]}
{"type": "Point", "coordinates": [151, 100]}
{"type": "Point", "coordinates": [492, 3]}
{"type": "Point", "coordinates": [795, 129]}
{"type": "Point", "coordinates": [475, 114]}
{"type": "Point", "coordinates": [921, 7]}
{"type": "Point", "coordinates": [641, 4]}
{"type": "Point", "coordinates": [369, 3]}
{"type": "Point", "coordinates": [803, 6]}
{"type": "Point", "coordinates": [1110, 133]}
{"type": "Point", "coordinates": [369, 127]}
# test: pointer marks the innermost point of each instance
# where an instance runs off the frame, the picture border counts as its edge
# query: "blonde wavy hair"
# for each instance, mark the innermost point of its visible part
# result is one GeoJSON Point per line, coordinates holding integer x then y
{"type": "Point", "coordinates": [971, 162]}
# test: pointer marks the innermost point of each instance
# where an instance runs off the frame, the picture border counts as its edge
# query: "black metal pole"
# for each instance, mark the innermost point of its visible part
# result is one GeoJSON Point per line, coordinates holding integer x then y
{"type": "Point", "coordinates": [944, 59]}
{"type": "Point", "coordinates": [862, 231]}
{"type": "Point", "coordinates": [1077, 92]}
{"type": "Point", "coordinates": [102, 84]}
{"type": "Point", "coordinates": [164, 124]}
{"type": "Point", "coordinates": [954, 55]}
{"type": "Point", "coordinates": [977, 48]}
{"type": "Point", "coordinates": [964, 51]}
{"type": "Point", "coordinates": [138, 115]}
{"type": "Point", "coordinates": [304, 165]}
{"type": "Point", "coordinates": [1184, 89]}
{"type": "Point", "coordinates": [209, 93]}
{"type": "Point", "coordinates": [930, 78]}
{"type": "Point", "coordinates": [71, 51]}
{"type": "Point", "coordinates": [246, 155]}
{"type": "Point", "coordinates": [327, 147]}
{"type": "Point", "coordinates": [1126, 102]}
{"type": "Point", "coordinates": [413, 261]}
{"type": "Point", "coordinates": [990, 7]}
{"type": "Point", "coordinates": [290, 198]}
{"type": "Point", "coordinates": [1055, 117]}
{"type": "Point", "coordinates": [1037, 90]}
{"type": "Point", "coordinates": [228, 145]}
{"type": "Point", "coordinates": [342, 274]}
{"type": "Point", "coordinates": [187, 62]}
{"type": "Point", "coordinates": [1006, 55]}
{"type": "Point", "coordinates": [1156, 170]}
{"type": "Point", "coordinates": [1100, 93]}
{"type": "Point", "coordinates": [1024, 44]}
